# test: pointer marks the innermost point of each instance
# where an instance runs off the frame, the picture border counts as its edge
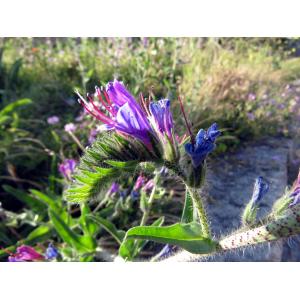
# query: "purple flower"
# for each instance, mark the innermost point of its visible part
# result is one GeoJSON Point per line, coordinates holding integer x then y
{"type": "Point", "coordinates": [51, 252]}
{"type": "Point", "coordinates": [295, 195]}
{"type": "Point", "coordinates": [139, 183]}
{"type": "Point", "coordinates": [261, 187]}
{"type": "Point", "coordinates": [205, 143]}
{"type": "Point", "coordinates": [161, 117]}
{"type": "Point", "coordinates": [114, 188]}
{"type": "Point", "coordinates": [70, 127]}
{"type": "Point", "coordinates": [67, 167]}
{"type": "Point", "coordinates": [124, 114]}
{"type": "Point", "coordinates": [25, 253]}
{"type": "Point", "coordinates": [148, 186]}
{"type": "Point", "coordinates": [53, 120]}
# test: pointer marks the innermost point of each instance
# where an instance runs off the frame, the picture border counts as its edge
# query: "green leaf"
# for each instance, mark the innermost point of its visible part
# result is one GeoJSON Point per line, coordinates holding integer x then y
{"type": "Point", "coordinates": [53, 204]}
{"type": "Point", "coordinates": [188, 209]}
{"type": "Point", "coordinates": [82, 244]}
{"type": "Point", "coordinates": [129, 249]}
{"type": "Point", "coordinates": [35, 204]}
{"type": "Point", "coordinates": [187, 236]}
{"type": "Point", "coordinates": [40, 234]}
{"type": "Point", "coordinates": [89, 227]}
{"type": "Point", "coordinates": [118, 235]}
{"type": "Point", "coordinates": [12, 106]}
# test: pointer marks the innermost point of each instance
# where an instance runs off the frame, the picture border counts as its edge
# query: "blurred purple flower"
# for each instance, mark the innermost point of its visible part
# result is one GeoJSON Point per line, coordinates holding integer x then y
{"type": "Point", "coordinates": [92, 136]}
{"type": "Point", "coordinates": [251, 116]}
{"type": "Point", "coordinates": [146, 42]}
{"type": "Point", "coordinates": [70, 127]}
{"type": "Point", "coordinates": [139, 183]}
{"type": "Point", "coordinates": [251, 97]}
{"type": "Point", "coordinates": [205, 143]}
{"type": "Point", "coordinates": [51, 252]}
{"type": "Point", "coordinates": [114, 188]}
{"type": "Point", "coordinates": [53, 120]}
{"type": "Point", "coordinates": [25, 253]}
{"type": "Point", "coordinates": [67, 167]}
{"type": "Point", "coordinates": [148, 186]}
{"type": "Point", "coordinates": [281, 106]}
{"type": "Point", "coordinates": [134, 195]}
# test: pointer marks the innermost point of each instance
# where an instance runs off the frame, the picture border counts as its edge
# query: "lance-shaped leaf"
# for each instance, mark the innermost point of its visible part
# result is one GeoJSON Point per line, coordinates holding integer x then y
{"type": "Point", "coordinates": [118, 235]}
{"type": "Point", "coordinates": [187, 236]}
{"type": "Point", "coordinates": [110, 158]}
{"type": "Point", "coordinates": [81, 243]}
{"type": "Point", "coordinates": [129, 249]}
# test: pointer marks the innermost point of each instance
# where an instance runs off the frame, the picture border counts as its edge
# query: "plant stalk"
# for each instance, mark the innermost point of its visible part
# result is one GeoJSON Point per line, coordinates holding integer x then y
{"type": "Point", "coordinates": [201, 210]}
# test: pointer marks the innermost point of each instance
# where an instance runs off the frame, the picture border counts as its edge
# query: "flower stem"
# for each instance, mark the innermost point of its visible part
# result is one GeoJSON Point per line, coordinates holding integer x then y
{"type": "Point", "coordinates": [75, 139]}
{"type": "Point", "coordinates": [150, 200]}
{"type": "Point", "coordinates": [201, 210]}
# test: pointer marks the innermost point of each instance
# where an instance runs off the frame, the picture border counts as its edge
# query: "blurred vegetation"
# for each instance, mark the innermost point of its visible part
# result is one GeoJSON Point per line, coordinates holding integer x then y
{"type": "Point", "coordinates": [243, 84]}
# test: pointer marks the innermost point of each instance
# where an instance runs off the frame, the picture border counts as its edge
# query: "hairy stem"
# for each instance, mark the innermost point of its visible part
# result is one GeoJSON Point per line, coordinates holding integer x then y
{"type": "Point", "coordinates": [201, 210]}
{"type": "Point", "coordinates": [284, 226]}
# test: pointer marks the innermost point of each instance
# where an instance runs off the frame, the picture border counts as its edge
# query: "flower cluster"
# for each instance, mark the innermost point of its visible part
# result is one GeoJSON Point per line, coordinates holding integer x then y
{"type": "Point", "coordinates": [204, 144]}
{"type": "Point", "coordinates": [147, 121]}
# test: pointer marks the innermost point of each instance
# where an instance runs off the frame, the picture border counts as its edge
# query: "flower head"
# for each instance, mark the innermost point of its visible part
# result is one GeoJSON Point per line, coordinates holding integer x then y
{"type": "Point", "coordinates": [122, 112]}
{"type": "Point", "coordinates": [70, 127]}
{"type": "Point", "coordinates": [146, 120]}
{"type": "Point", "coordinates": [53, 120]}
{"type": "Point", "coordinates": [67, 167]}
{"type": "Point", "coordinates": [25, 253]}
{"type": "Point", "coordinates": [261, 187]}
{"type": "Point", "coordinates": [204, 144]}
{"type": "Point", "coordinates": [51, 252]}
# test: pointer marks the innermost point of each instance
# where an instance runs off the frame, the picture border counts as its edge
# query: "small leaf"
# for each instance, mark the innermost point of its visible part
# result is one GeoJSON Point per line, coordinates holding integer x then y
{"type": "Point", "coordinates": [40, 234]}
{"type": "Point", "coordinates": [187, 236]}
{"type": "Point", "coordinates": [118, 235]}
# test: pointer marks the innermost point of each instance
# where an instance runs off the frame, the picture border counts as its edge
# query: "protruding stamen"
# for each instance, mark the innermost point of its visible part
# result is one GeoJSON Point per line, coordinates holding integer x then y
{"type": "Point", "coordinates": [188, 126]}
{"type": "Point", "coordinates": [108, 107]}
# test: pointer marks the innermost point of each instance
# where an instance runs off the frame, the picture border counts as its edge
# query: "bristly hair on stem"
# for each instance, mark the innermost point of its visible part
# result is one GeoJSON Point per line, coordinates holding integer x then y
{"type": "Point", "coordinates": [188, 126]}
